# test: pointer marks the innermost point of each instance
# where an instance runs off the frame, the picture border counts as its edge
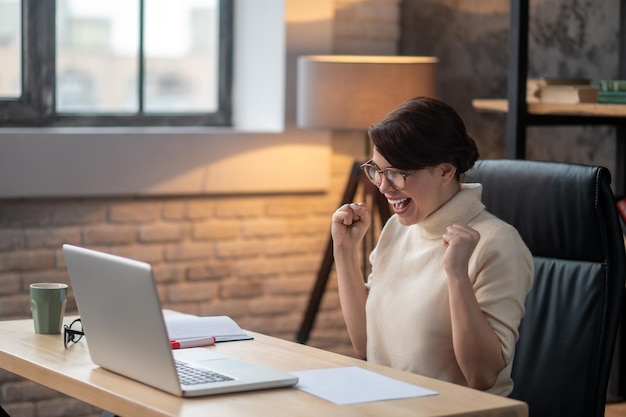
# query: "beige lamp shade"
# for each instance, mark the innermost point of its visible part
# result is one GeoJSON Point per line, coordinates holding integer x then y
{"type": "Point", "coordinates": [353, 92]}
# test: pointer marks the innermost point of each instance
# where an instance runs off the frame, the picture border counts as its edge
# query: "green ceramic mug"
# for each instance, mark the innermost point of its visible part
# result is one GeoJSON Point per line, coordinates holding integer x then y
{"type": "Point", "coordinates": [47, 302]}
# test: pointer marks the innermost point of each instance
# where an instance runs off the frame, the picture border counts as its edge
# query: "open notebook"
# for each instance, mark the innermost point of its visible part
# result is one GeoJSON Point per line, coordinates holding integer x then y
{"type": "Point", "coordinates": [125, 332]}
{"type": "Point", "coordinates": [187, 326]}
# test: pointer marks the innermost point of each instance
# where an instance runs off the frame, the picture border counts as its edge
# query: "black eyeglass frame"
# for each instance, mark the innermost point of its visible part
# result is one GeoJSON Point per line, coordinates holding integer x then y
{"type": "Point", "coordinates": [71, 335]}
{"type": "Point", "coordinates": [385, 173]}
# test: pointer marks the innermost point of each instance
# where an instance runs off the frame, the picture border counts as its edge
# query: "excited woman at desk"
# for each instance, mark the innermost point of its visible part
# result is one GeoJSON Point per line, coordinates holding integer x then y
{"type": "Point", "coordinates": [446, 293]}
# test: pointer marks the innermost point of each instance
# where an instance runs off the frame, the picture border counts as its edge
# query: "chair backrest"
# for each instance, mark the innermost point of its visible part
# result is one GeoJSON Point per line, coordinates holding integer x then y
{"type": "Point", "coordinates": [567, 216]}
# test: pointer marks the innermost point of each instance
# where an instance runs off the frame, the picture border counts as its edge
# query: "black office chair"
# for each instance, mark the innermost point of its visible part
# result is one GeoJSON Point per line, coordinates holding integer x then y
{"type": "Point", "coordinates": [567, 216]}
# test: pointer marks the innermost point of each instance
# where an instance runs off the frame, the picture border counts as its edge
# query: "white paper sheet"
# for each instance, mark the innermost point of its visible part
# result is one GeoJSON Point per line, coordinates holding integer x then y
{"type": "Point", "coordinates": [352, 385]}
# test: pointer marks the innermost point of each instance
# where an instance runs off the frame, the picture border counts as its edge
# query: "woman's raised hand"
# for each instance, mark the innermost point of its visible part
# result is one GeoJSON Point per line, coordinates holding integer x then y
{"type": "Point", "coordinates": [350, 222]}
{"type": "Point", "coordinates": [460, 241]}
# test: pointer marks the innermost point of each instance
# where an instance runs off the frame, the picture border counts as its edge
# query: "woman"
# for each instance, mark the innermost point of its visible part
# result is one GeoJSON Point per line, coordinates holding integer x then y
{"type": "Point", "coordinates": [446, 293]}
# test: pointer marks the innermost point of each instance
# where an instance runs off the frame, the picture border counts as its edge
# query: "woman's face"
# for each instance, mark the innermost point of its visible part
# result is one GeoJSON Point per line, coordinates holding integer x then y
{"type": "Point", "coordinates": [424, 192]}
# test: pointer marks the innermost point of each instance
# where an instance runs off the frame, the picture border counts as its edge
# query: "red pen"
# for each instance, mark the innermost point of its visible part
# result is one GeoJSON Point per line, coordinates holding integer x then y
{"type": "Point", "coordinates": [189, 343]}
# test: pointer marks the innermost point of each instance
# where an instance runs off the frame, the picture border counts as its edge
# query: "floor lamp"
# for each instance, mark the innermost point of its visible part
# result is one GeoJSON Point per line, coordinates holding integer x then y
{"type": "Point", "coordinates": [350, 92]}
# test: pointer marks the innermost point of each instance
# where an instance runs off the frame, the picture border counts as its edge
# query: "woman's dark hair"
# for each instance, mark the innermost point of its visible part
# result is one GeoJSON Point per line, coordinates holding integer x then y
{"type": "Point", "coordinates": [423, 132]}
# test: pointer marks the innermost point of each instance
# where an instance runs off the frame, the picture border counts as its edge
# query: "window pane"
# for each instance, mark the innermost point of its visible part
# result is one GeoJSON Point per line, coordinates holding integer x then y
{"type": "Point", "coordinates": [97, 56]}
{"type": "Point", "coordinates": [181, 49]}
{"type": "Point", "coordinates": [10, 48]}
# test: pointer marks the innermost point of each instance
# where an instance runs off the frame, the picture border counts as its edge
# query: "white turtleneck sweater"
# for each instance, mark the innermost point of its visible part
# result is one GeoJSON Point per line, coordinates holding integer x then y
{"type": "Point", "coordinates": [408, 312]}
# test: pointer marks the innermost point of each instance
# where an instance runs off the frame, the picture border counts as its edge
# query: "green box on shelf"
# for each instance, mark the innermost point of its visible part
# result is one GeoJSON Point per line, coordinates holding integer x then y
{"type": "Point", "coordinates": [613, 85]}
{"type": "Point", "coordinates": [612, 97]}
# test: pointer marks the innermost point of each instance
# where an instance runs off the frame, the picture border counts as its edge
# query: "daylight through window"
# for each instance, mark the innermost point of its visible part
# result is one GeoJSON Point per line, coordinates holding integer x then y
{"type": "Point", "coordinates": [116, 62]}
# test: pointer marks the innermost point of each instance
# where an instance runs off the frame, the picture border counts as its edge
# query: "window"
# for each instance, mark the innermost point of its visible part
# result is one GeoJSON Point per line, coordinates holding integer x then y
{"type": "Point", "coordinates": [115, 62]}
{"type": "Point", "coordinates": [10, 44]}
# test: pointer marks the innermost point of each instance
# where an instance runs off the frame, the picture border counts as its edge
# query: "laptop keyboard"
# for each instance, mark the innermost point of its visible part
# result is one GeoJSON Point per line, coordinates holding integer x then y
{"type": "Point", "coordinates": [189, 375]}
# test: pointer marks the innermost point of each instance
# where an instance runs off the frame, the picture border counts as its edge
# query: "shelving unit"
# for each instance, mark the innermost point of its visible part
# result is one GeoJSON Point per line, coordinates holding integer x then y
{"type": "Point", "coordinates": [521, 115]}
{"type": "Point", "coordinates": [611, 113]}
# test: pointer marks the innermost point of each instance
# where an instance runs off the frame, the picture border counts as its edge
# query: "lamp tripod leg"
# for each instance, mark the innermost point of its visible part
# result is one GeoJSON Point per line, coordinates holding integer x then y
{"type": "Point", "coordinates": [378, 201]}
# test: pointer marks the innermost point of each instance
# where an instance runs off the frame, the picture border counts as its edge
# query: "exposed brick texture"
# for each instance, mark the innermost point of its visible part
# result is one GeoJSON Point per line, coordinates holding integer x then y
{"type": "Point", "coordinates": [252, 257]}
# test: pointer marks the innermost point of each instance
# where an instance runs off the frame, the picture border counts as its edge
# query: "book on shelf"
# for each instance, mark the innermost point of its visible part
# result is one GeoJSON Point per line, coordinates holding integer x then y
{"type": "Point", "coordinates": [533, 85]}
{"type": "Point", "coordinates": [612, 85]}
{"type": "Point", "coordinates": [568, 94]}
{"type": "Point", "coordinates": [612, 97]}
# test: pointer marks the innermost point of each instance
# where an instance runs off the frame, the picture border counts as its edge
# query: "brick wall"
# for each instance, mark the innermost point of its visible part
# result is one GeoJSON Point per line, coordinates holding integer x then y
{"type": "Point", "coordinates": [252, 257]}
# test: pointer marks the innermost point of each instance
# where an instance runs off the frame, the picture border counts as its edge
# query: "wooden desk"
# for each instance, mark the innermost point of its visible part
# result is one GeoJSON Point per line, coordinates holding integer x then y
{"type": "Point", "coordinates": [42, 358]}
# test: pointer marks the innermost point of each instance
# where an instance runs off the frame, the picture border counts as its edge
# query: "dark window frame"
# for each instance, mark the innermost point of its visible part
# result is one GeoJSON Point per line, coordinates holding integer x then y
{"type": "Point", "coordinates": [36, 106]}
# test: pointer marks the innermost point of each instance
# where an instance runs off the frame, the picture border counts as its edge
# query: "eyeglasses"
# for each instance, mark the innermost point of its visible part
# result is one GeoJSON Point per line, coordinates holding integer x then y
{"type": "Point", "coordinates": [71, 334]}
{"type": "Point", "coordinates": [395, 177]}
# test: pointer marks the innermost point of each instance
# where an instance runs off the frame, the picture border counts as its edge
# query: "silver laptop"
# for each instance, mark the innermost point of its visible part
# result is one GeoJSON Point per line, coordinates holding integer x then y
{"type": "Point", "coordinates": [125, 331]}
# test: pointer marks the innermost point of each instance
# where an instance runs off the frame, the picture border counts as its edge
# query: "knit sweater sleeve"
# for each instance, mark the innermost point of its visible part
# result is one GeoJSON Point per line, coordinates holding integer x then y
{"type": "Point", "coordinates": [502, 273]}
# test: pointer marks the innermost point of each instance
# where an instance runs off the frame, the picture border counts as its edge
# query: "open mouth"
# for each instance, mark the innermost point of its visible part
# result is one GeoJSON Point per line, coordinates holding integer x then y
{"type": "Point", "coordinates": [399, 204]}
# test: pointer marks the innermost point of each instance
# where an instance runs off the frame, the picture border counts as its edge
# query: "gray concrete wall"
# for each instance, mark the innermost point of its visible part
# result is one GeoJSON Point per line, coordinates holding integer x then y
{"type": "Point", "coordinates": [568, 38]}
